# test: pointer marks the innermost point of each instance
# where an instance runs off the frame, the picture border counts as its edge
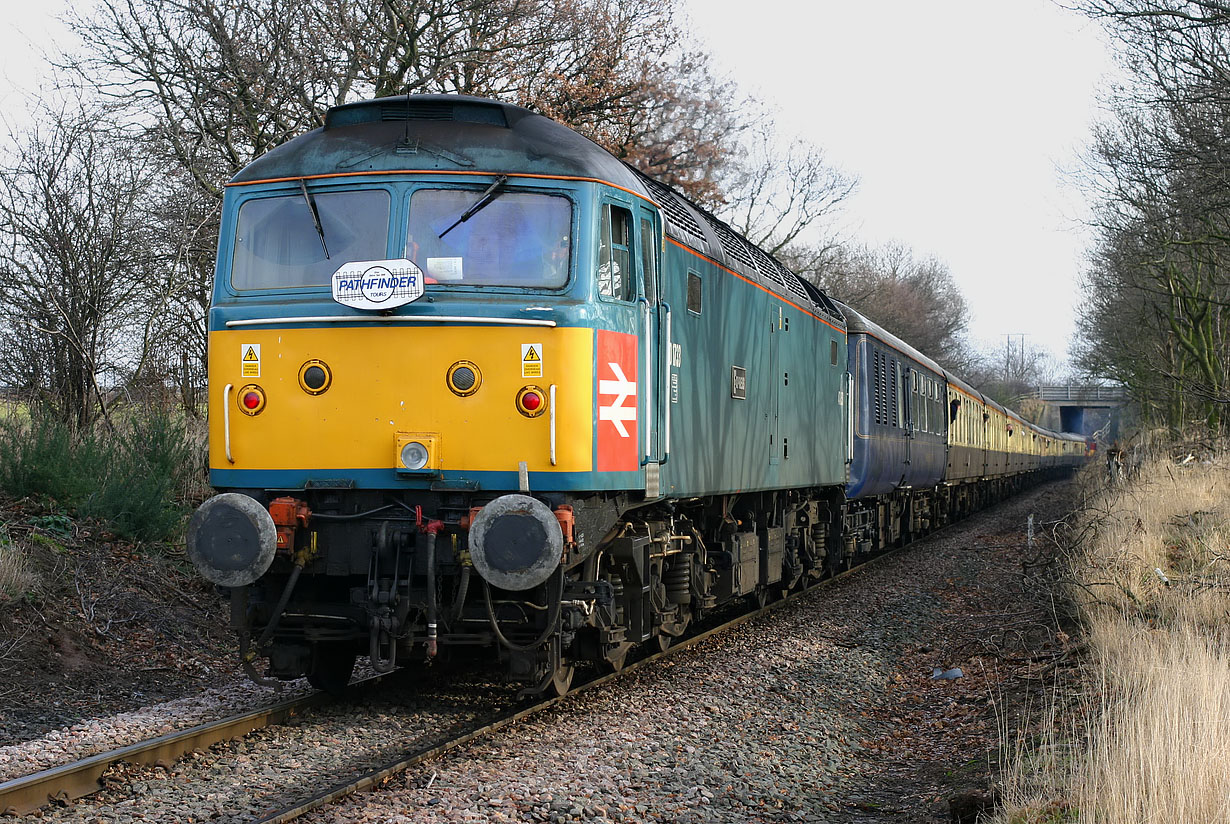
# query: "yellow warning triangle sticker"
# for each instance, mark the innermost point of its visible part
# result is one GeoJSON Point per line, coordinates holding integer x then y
{"type": "Point", "coordinates": [250, 356]}
{"type": "Point", "coordinates": [531, 355]}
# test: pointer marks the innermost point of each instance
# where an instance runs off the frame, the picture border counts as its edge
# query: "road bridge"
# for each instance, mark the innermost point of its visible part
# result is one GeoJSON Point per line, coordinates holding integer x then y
{"type": "Point", "coordinates": [1076, 401]}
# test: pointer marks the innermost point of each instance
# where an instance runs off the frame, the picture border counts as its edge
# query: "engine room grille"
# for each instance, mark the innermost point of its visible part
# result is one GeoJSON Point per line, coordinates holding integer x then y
{"type": "Point", "coordinates": [678, 218]}
{"type": "Point", "coordinates": [753, 261]}
{"type": "Point", "coordinates": [878, 384]}
{"type": "Point", "coordinates": [420, 110]}
{"type": "Point", "coordinates": [733, 245]}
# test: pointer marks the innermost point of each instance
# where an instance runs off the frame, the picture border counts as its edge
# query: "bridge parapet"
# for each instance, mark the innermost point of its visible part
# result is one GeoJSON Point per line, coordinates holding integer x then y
{"type": "Point", "coordinates": [1080, 395]}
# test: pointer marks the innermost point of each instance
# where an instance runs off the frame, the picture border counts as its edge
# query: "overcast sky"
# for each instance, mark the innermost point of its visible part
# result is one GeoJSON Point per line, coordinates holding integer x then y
{"type": "Point", "coordinates": [28, 29]}
{"type": "Point", "coordinates": [962, 119]}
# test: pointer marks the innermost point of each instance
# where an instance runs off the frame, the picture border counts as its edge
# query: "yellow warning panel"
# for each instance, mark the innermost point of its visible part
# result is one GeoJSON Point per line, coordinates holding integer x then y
{"type": "Point", "coordinates": [250, 360]}
{"type": "Point", "coordinates": [531, 360]}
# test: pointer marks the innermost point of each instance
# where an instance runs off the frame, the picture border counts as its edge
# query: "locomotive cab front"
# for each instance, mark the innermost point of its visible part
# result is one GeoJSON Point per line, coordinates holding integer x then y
{"type": "Point", "coordinates": [434, 350]}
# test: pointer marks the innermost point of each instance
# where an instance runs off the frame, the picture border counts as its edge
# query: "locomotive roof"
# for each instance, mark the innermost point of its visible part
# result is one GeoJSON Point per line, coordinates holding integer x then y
{"type": "Point", "coordinates": [420, 133]}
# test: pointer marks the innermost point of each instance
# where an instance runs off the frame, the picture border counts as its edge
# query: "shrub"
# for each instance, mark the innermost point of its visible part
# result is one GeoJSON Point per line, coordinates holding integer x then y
{"type": "Point", "coordinates": [41, 457]}
{"type": "Point", "coordinates": [149, 463]}
{"type": "Point", "coordinates": [132, 479]}
{"type": "Point", "coordinates": [16, 577]}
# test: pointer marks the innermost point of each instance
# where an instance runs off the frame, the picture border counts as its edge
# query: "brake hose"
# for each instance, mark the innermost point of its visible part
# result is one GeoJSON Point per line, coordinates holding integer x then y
{"type": "Point", "coordinates": [553, 616]}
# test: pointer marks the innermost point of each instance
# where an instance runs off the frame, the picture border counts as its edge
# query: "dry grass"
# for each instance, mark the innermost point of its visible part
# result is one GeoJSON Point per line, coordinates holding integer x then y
{"type": "Point", "coordinates": [16, 576]}
{"type": "Point", "coordinates": [1148, 737]}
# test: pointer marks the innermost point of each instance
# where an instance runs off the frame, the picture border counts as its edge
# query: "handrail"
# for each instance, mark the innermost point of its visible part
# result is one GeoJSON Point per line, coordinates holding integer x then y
{"type": "Point", "coordinates": [226, 419]}
{"type": "Point", "coordinates": [551, 402]}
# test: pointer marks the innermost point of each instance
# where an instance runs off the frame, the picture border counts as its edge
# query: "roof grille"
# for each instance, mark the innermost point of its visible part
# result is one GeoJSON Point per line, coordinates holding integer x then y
{"type": "Point", "coordinates": [755, 261]}
{"type": "Point", "coordinates": [734, 246]}
{"type": "Point", "coordinates": [387, 110]}
{"type": "Point", "coordinates": [678, 218]}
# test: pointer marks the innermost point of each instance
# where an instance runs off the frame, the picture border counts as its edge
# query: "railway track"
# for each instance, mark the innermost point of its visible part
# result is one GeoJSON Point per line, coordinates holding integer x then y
{"type": "Point", "coordinates": [68, 782]}
{"type": "Point", "coordinates": [76, 780]}
{"type": "Point", "coordinates": [415, 756]}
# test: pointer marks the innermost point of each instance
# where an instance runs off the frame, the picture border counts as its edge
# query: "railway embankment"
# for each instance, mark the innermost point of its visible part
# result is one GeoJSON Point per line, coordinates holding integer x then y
{"type": "Point", "coordinates": [92, 624]}
{"type": "Point", "coordinates": [1137, 732]}
{"type": "Point", "coordinates": [825, 710]}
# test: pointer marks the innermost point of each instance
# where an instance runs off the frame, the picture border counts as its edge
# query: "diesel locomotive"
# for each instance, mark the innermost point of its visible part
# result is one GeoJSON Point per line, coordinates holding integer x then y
{"type": "Point", "coordinates": [478, 387]}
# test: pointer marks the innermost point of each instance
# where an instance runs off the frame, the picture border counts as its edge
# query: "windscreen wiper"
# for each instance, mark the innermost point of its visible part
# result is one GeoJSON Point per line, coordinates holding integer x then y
{"type": "Point", "coordinates": [311, 202]}
{"type": "Point", "coordinates": [492, 192]}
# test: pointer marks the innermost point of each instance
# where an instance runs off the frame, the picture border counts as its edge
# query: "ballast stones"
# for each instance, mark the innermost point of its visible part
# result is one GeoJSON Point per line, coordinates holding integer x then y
{"type": "Point", "coordinates": [231, 540]}
{"type": "Point", "coordinates": [516, 542]}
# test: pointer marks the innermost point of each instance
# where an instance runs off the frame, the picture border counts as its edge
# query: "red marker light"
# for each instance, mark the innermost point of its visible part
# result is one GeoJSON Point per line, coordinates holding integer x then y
{"type": "Point", "coordinates": [531, 401]}
{"type": "Point", "coordinates": [251, 399]}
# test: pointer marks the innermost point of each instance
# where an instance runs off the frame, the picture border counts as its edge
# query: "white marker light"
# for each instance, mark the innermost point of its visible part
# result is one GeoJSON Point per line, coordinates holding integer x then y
{"type": "Point", "coordinates": [414, 455]}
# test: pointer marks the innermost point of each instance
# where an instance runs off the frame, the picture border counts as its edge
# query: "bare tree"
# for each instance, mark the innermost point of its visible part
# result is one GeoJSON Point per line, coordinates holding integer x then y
{"type": "Point", "coordinates": [222, 81]}
{"type": "Point", "coordinates": [206, 86]}
{"type": "Point", "coordinates": [780, 188]}
{"type": "Point", "coordinates": [917, 299]}
{"type": "Point", "coordinates": [73, 260]}
{"type": "Point", "coordinates": [1158, 283]}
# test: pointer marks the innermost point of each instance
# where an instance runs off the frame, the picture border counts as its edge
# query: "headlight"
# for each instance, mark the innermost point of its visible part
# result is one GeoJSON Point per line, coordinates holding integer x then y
{"type": "Point", "coordinates": [463, 378]}
{"type": "Point", "coordinates": [414, 455]}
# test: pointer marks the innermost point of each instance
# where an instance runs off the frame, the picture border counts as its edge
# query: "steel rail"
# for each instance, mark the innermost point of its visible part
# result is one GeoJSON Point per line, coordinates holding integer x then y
{"type": "Point", "coordinates": [28, 793]}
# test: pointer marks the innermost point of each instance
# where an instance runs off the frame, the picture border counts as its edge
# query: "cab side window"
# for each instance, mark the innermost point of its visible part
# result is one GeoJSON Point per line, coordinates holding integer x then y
{"type": "Point", "coordinates": [615, 275]}
{"type": "Point", "coordinates": [649, 254]}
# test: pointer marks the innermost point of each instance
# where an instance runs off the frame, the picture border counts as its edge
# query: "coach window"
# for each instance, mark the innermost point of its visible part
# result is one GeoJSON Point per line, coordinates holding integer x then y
{"type": "Point", "coordinates": [931, 410]}
{"type": "Point", "coordinates": [898, 401]}
{"type": "Point", "coordinates": [615, 276]}
{"type": "Point", "coordinates": [916, 415]}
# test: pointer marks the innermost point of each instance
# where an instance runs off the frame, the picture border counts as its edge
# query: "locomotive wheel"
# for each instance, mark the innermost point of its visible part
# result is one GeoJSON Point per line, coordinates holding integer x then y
{"type": "Point", "coordinates": [614, 660]}
{"type": "Point", "coordinates": [334, 664]}
{"type": "Point", "coordinates": [664, 641]}
{"type": "Point", "coordinates": [561, 682]}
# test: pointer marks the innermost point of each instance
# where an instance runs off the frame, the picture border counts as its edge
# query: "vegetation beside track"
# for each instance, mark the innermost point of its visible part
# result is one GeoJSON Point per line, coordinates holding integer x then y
{"type": "Point", "coordinates": [1137, 732]}
{"type": "Point", "coordinates": [99, 609]}
{"type": "Point", "coordinates": [137, 473]}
